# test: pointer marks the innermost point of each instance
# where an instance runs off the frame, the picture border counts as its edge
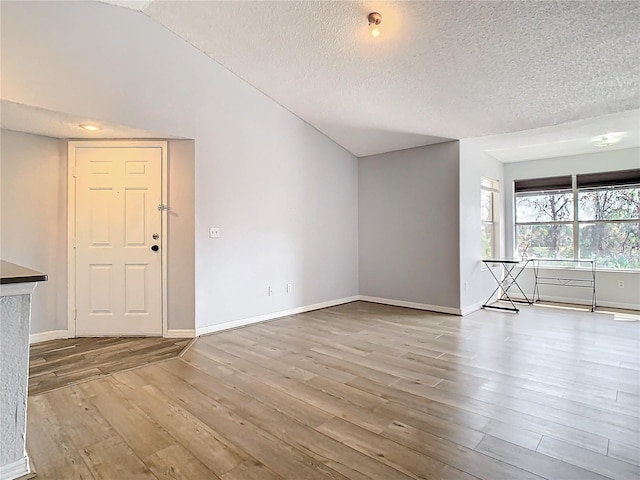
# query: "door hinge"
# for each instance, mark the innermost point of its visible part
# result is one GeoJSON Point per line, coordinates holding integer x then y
{"type": "Point", "coordinates": [162, 207]}
{"type": "Point", "coordinates": [75, 313]}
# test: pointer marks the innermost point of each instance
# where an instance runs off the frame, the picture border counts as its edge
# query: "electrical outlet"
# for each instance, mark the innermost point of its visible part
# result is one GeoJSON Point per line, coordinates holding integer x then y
{"type": "Point", "coordinates": [620, 283]}
{"type": "Point", "coordinates": [289, 287]}
{"type": "Point", "coordinates": [214, 232]}
{"type": "Point", "coordinates": [270, 291]}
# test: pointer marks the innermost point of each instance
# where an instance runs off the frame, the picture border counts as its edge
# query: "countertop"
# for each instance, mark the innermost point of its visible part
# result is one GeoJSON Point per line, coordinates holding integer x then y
{"type": "Point", "coordinates": [12, 273]}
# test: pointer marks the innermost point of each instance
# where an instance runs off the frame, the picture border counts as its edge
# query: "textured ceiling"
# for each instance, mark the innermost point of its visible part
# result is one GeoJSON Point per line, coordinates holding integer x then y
{"type": "Point", "coordinates": [573, 138]}
{"type": "Point", "coordinates": [440, 69]}
{"type": "Point", "coordinates": [40, 121]}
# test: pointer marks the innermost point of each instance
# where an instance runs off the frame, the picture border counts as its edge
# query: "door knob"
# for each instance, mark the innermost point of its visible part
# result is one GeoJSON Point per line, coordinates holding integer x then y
{"type": "Point", "coordinates": [155, 248]}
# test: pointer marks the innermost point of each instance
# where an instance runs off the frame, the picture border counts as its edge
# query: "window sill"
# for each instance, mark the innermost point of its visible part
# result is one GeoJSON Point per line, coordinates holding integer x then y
{"type": "Point", "coordinates": [588, 269]}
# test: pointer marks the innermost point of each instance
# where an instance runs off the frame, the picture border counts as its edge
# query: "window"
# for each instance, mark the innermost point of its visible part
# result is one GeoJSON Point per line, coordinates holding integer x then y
{"type": "Point", "coordinates": [489, 191]}
{"type": "Point", "coordinates": [593, 216]}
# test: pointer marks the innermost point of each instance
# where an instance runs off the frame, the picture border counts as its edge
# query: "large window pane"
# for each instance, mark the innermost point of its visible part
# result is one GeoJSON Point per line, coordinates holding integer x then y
{"type": "Point", "coordinates": [612, 245]}
{"type": "Point", "coordinates": [612, 204]}
{"type": "Point", "coordinates": [545, 241]}
{"type": "Point", "coordinates": [551, 207]}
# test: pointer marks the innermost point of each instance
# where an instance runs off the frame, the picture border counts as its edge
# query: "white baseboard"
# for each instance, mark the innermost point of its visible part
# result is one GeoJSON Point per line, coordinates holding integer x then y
{"type": "Point", "coordinates": [271, 316]}
{"type": "Point", "coordinates": [46, 336]}
{"type": "Point", "coordinates": [626, 306]}
{"type": "Point", "coordinates": [417, 306]}
{"type": "Point", "coordinates": [181, 333]}
{"type": "Point", "coordinates": [582, 301]}
{"type": "Point", "coordinates": [15, 469]}
{"type": "Point", "coordinates": [469, 309]}
{"type": "Point", "coordinates": [58, 334]}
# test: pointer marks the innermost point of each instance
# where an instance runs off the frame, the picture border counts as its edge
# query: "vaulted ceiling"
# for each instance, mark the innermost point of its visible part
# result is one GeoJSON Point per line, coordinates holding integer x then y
{"type": "Point", "coordinates": [532, 79]}
{"type": "Point", "coordinates": [439, 70]}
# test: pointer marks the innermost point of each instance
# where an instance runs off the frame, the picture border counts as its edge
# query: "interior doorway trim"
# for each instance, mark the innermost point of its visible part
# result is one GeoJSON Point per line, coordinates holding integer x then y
{"type": "Point", "coordinates": [71, 220]}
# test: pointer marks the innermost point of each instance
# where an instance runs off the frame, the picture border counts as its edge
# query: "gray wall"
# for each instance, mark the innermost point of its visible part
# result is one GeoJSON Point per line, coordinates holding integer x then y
{"type": "Point", "coordinates": [181, 231]}
{"type": "Point", "coordinates": [409, 224]}
{"type": "Point", "coordinates": [33, 219]}
{"type": "Point", "coordinates": [607, 281]}
{"type": "Point", "coordinates": [33, 224]}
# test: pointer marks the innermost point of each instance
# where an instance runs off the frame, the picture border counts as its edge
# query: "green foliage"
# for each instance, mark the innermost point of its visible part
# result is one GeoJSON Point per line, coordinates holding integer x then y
{"type": "Point", "coordinates": [609, 226]}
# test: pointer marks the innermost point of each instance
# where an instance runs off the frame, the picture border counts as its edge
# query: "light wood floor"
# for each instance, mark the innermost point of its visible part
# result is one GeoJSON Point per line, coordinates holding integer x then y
{"type": "Point", "coordinates": [59, 363]}
{"type": "Point", "coordinates": [362, 391]}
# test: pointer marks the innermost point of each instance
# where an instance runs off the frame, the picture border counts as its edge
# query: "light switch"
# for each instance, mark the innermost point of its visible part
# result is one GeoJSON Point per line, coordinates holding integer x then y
{"type": "Point", "coordinates": [214, 232]}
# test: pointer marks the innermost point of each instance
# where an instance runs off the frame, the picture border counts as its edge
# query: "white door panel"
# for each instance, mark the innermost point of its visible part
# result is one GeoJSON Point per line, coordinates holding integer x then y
{"type": "Point", "coordinates": [118, 275]}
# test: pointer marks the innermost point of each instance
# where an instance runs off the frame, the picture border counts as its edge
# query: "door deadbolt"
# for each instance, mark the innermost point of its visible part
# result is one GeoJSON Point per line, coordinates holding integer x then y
{"type": "Point", "coordinates": [156, 236]}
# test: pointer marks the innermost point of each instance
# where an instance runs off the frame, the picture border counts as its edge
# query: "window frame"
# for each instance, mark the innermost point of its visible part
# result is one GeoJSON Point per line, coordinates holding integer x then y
{"type": "Point", "coordinates": [492, 186]}
{"type": "Point", "coordinates": [606, 185]}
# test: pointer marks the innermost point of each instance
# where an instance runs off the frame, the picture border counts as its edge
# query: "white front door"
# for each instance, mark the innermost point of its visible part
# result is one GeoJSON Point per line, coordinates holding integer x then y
{"type": "Point", "coordinates": [118, 240]}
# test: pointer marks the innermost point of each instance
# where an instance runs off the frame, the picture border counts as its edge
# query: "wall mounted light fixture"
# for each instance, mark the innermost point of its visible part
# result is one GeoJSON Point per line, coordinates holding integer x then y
{"type": "Point", "coordinates": [375, 19]}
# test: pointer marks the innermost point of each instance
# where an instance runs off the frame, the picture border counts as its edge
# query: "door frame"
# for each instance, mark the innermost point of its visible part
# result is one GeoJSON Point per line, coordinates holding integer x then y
{"type": "Point", "coordinates": [71, 220]}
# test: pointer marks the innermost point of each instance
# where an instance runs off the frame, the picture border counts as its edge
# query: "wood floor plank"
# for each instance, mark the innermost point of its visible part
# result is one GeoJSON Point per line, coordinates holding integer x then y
{"type": "Point", "coordinates": [358, 391]}
{"type": "Point", "coordinates": [474, 414]}
{"type": "Point", "coordinates": [323, 400]}
{"type": "Point", "coordinates": [536, 422]}
{"type": "Point", "coordinates": [257, 443]}
{"type": "Point", "coordinates": [513, 434]}
{"type": "Point", "coordinates": [52, 451]}
{"type": "Point", "coordinates": [625, 452]}
{"type": "Point", "coordinates": [602, 464]}
{"type": "Point", "coordinates": [619, 427]}
{"type": "Point", "coordinates": [275, 421]}
{"type": "Point", "coordinates": [628, 399]}
{"type": "Point", "coordinates": [611, 412]}
{"type": "Point", "coordinates": [99, 458]}
{"type": "Point", "coordinates": [143, 436]}
{"type": "Point", "coordinates": [458, 456]}
{"type": "Point", "coordinates": [407, 461]}
{"type": "Point", "coordinates": [204, 443]}
{"type": "Point", "coordinates": [59, 363]}
{"type": "Point", "coordinates": [176, 463]}
{"type": "Point", "coordinates": [436, 426]}
{"type": "Point", "coordinates": [251, 470]}
{"type": "Point", "coordinates": [296, 409]}
{"type": "Point", "coordinates": [416, 435]}
{"type": "Point", "coordinates": [84, 423]}
{"type": "Point", "coordinates": [534, 462]}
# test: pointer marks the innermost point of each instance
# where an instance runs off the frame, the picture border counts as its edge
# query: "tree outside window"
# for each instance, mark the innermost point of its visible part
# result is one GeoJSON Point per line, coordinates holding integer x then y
{"type": "Point", "coordinates": [597, 218]}
{"type": "Point", "coordinates": [489, 201]}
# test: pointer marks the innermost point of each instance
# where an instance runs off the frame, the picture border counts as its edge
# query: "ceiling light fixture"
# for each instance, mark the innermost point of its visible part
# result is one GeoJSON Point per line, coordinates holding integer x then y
{"type": "Point", "coordinates": [90, 127]}
{"type": "Point", "coordinates": [607, 139]}
{"type": "Point", "coordinates": [375, 19]}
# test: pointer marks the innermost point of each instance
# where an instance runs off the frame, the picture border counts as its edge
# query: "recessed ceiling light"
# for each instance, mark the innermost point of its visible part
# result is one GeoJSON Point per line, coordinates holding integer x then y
{"type": "Point", "coordinates": [90, 127]}
{"type": "Point", "coordinates": [375, 19]}
{"type": "Point", "coordinates": [607, 139]}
